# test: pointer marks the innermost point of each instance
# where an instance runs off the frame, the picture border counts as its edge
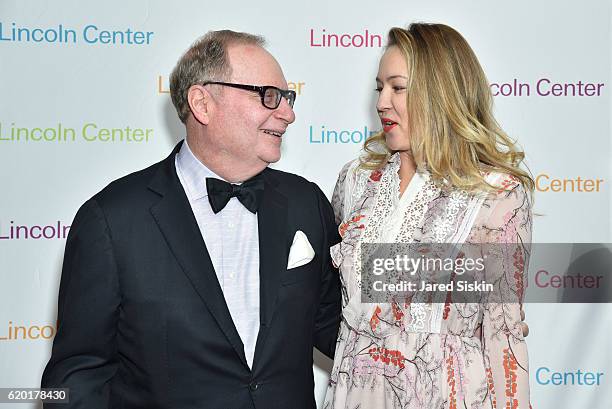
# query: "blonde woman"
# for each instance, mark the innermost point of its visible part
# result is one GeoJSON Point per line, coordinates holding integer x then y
{"type": "Point", "coordinates": [441, 171]}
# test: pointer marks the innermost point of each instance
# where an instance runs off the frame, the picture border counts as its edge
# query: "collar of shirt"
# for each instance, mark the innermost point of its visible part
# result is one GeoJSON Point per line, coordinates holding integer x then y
{"type": "Point", "coordinates": [193, 173]}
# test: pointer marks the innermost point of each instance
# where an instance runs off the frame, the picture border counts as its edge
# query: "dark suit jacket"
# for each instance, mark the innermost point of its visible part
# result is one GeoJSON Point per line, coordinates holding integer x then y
{"type": "Point", "coordinates": [142, 319]}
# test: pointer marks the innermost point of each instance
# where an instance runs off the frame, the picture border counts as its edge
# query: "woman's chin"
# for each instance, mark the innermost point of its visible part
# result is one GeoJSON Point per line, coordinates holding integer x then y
{"type": "Point", "coordinates": [396, 142]}
{"type": "Point", "coordinates": [398, 147]}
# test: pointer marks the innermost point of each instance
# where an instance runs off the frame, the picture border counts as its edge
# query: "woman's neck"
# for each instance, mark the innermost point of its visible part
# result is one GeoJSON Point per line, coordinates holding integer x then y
{"type": "Point", "coordinates": [407, 170]}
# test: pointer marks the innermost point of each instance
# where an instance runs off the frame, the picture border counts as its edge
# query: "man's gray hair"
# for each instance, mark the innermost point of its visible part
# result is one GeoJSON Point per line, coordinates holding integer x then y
{"type": "Point", "coordinates": [205, 60]}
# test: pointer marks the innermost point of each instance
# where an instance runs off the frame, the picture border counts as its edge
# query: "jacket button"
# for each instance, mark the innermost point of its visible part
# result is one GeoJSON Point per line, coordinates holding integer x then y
{"type": "Point", "coordinates": [253, 386]}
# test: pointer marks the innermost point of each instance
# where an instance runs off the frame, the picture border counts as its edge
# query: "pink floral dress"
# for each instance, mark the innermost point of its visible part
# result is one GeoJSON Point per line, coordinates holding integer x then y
{"type": "Point", "coordinates": [428, 355]}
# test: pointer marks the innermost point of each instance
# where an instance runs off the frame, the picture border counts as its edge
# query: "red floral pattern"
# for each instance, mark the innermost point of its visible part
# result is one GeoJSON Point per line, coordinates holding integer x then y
{"type": "Point", "coordinates": [376, 175]}
{"type": "Point", "coordinates": [509, 183]}
{"type": "Point", "coordinates": [491, 386]}
{"type": "Point", "coordinates": [398, 314]}
{"type": "Point", "coordinates": [345, 226]}
{"type": "Point", "coordinates": [450, 379]}
{"type": "Point", "coordinates": [510, 367]}
{"type": "Point", "coordinates": [375, 320]}
{"type": "Point", "coordinates": [388, 356]}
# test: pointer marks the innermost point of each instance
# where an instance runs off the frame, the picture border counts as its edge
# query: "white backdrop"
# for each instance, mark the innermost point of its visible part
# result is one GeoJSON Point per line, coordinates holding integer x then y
{"type": "Point", "coordinates": [60, 69]}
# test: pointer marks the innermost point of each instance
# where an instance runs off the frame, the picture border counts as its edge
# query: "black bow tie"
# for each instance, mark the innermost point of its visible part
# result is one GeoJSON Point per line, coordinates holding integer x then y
{"type": "Point", "coordinates": [249, 193]}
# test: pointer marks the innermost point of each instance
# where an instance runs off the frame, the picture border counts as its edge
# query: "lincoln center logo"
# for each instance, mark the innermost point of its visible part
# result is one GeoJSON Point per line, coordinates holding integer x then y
{"type": "Point", "coordinates": [88, 132]}
{"type": "Point", "coordinates": [579, 377]}
{"type": "Point", "coordinates": [20, 332]}
{"type": "Point", "coordinates": [323, 135]}
{"type": "Point", "coordinates": [14, 231]}
{"type": "Point", "coordinates": [88, 34]}
{"type": "Point", "coordinates": [546, 87]}
{"type": "Point", "coordinates": [366, 39]}
{"type": "Point", "coordinates": [547, 183]}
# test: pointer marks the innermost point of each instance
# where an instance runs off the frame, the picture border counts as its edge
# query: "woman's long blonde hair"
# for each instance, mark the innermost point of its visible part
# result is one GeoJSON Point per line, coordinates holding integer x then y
{"type": "Point", "coordinates": [453, 133]}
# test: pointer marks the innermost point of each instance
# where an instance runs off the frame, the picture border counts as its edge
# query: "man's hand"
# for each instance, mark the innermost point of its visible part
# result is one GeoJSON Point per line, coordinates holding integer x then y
{"type": "Point", "coordinates": [524, 326]}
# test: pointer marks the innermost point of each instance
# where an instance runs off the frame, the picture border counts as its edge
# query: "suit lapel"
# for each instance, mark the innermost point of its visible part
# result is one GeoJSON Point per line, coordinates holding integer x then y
{"type": "Point", "coordinates": [273, 253]}
{"type": "Point", "coordinates": [179, 227]}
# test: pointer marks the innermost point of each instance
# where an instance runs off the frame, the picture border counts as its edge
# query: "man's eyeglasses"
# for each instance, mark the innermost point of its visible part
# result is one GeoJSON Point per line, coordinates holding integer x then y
{"type": "Point", "coordinates": [270, 96]}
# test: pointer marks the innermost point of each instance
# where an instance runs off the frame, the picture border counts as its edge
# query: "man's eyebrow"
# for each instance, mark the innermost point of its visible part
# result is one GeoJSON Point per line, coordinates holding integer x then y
{"type": "Point", "coordinates": [392, 77]}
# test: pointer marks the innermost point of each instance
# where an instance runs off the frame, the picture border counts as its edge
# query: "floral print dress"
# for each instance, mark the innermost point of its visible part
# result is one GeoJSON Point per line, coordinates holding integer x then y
{"type": "Point", "coordinates": [419, 354]}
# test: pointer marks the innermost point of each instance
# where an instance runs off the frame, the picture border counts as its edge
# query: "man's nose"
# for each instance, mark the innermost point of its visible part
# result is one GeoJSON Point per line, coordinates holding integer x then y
{"type": "Point", "coordinates": [285, 112]}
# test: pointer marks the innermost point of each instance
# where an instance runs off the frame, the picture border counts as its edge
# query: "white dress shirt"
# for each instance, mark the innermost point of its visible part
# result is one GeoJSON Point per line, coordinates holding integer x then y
{"type": "Point", "coordinates": [232, 240]}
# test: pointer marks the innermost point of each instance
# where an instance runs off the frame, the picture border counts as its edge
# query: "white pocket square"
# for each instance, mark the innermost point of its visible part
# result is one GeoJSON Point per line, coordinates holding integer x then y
{"type": "Point", "coordinates": [301, 251]}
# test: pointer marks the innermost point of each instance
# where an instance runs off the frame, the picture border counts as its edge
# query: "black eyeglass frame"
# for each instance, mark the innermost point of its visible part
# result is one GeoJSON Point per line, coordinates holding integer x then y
{"type": "Point", "coordinates": [289, 95]}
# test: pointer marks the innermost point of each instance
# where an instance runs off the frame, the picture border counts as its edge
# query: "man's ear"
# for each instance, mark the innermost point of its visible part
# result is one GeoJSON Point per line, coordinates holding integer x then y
{"type": "Point", "coordinates": [201, 103]}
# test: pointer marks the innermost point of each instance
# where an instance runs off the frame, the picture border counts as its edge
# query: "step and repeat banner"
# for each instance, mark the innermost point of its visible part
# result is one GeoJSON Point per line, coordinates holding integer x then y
{"type": "Point", "coordinates": [84, 99]}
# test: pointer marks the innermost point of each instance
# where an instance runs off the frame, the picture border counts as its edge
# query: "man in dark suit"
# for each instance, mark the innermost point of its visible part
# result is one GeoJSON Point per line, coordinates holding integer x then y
{"type": "Point", "coordinates": [203, 281]}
